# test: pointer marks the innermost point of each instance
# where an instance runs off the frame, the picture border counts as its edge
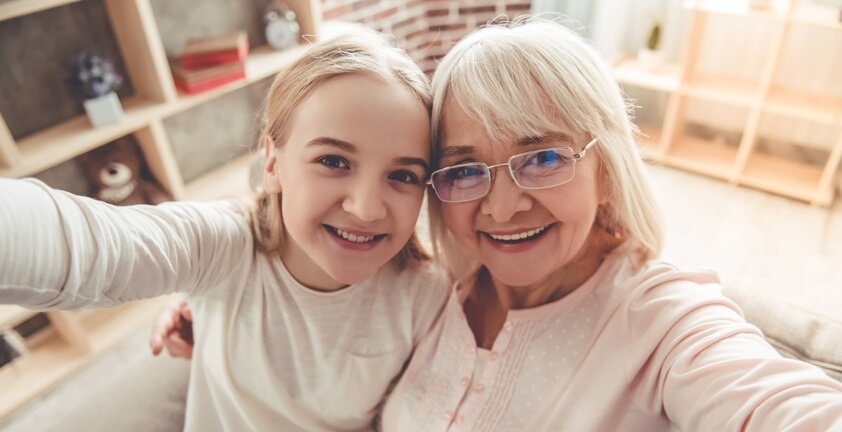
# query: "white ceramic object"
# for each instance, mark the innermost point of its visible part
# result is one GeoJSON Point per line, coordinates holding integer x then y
{"type": "Point", "coordinates": [104, 110]}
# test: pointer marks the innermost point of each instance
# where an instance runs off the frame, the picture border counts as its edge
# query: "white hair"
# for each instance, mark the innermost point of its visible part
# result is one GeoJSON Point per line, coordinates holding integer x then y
{"type": "Point", "coordinates": [516, 79]}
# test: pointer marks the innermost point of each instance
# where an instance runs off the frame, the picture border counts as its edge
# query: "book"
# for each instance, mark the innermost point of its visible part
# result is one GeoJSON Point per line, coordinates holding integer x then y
{"type": "Point", "coordinates": [214, 50]}
{"type": "Point", "coordinates": [192, 76]}
{"type": "Point", "coordinates": [199, 86]}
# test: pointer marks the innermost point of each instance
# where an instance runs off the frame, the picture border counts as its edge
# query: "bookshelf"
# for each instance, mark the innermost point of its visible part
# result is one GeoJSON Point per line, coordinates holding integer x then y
{"type": "Point", "coordinates": [743, 162]}
{"type": "Point", "coordinates": [74, 338]}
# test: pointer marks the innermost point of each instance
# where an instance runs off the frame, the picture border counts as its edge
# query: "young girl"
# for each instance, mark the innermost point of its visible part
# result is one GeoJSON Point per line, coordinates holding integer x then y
{"type": "Point", "coordinates": [311, 301]}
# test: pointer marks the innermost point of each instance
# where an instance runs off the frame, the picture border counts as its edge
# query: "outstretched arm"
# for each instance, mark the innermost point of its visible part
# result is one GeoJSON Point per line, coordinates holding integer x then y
{"type": "Point", "coordinates": [59, 250]}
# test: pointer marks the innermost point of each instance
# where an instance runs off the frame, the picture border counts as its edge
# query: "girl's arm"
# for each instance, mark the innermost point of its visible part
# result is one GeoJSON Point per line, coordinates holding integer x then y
{"type": "Point", "coordinates": [59, 250]}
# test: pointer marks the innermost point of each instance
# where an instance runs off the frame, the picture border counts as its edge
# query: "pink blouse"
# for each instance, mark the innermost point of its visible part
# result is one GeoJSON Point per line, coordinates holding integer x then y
{"type": "Point", "coordinates": [638, 349]}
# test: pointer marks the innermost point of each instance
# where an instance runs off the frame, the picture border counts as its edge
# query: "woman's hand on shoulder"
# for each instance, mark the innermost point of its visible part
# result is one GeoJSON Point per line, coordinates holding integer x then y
{"type": "Point", "coordinates": [173, 330]}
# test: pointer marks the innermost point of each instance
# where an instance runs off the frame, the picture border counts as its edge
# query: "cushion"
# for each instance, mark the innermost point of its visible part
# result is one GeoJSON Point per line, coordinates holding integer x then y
{"type": "Point", "coordinates": [793, 330]}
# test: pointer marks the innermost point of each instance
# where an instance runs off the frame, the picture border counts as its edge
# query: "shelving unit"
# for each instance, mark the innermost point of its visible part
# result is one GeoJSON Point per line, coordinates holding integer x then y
{"type": "Point", "coordinates": [73, 339]}
{"type": "Point", "coordinates": [743, 164]}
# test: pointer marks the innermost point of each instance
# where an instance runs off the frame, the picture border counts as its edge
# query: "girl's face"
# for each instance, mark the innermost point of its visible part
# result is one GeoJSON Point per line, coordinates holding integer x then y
{"type": "Point", "coordinates": [555, 223]}
{"type": "Point", "coordinates": [351, 177]}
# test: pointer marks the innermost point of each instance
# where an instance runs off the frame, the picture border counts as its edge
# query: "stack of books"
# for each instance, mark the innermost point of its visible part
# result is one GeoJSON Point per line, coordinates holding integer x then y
{"type": "Point", "coordinates": [210, 62]}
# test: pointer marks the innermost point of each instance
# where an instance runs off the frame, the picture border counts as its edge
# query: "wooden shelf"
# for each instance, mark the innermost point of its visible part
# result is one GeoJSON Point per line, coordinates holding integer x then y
{"type": "Point", "coordinates": [51, 359]}
{"type": "Point", "coordinates": [727, 90]}
{"type": "Point", "coordinates": [71, 138]}
{"type": "Point", "coordinates": [817, 16]}
{"type": "Point", "coordinates": [74, 137]}
{"type": "Point", "coordinates": [664, 78]}
{"type": "Point", "coordinates": [786, 177]}
{"type": "Point", "coordinates": [11, 315]}
{"type": "Point", "coordinates": [261, 63]}
{"type": "Point", "coordinates": [16, 8]}
{"type": "Point", "coordinates": [702, 156]}
{"type": "Point", "coordinates": [777, 11]}
{"type": "Point", "coordinates": [807, 106]}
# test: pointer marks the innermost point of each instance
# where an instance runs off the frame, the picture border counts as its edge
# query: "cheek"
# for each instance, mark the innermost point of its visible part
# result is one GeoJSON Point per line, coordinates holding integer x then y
{"type": "Point", "coordinates": [406, 207]}
{"type": "Point", "coordinates": [459, 218]}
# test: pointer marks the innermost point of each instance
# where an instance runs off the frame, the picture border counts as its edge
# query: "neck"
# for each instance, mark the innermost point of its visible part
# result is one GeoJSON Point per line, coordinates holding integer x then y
{"type": "Point", "coordinates": [305, 271]}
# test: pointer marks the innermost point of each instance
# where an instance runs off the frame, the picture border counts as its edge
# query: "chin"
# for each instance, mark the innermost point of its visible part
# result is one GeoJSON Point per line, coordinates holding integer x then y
{"type": "Point", "coordinates": [516, 277]}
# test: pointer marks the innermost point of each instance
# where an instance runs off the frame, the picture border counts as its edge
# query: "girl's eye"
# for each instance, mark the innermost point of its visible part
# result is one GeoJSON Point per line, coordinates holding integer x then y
{"type": "Point", "coordinates": [332, 161]}
{"type": "Point", "coordinates": [407, 177]}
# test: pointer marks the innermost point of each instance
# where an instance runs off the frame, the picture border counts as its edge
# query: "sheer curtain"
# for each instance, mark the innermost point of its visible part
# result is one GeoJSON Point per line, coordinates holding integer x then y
{"type": "Point", "coordinates": [616, 27]}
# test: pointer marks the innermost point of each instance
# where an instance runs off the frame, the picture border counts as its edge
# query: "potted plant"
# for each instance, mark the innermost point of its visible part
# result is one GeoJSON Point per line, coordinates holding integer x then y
{"type": "Point", "coordinates": [95, 80]}
{"type": "Point", "coordinates": [649, 57]}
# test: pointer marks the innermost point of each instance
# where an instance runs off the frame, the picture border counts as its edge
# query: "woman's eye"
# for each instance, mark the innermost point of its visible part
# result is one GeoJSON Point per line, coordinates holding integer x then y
{"type": "Point", "coordinates": [332, 161]}
{"type": "Point", "coordinates": [405, 177]}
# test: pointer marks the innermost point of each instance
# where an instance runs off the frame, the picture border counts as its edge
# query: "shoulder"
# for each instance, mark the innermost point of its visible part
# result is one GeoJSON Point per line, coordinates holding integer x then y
{"type": "Point", "coordinates": [425, 285]}
{"type": "Point", "coordinates": [659, 297]}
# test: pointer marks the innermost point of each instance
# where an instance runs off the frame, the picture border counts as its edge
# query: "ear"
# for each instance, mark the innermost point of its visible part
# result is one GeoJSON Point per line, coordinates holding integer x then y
{"type": "Point", "coordinates": [271, 177]}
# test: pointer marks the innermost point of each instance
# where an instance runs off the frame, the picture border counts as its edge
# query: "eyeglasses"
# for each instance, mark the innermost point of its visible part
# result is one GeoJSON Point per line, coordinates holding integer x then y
{"type": "Point", "coordinates": [537, 169]}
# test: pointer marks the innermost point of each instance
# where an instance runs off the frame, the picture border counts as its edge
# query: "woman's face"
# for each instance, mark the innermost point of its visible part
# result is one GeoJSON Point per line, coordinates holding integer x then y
{"type": "Point", "coordinates": [551, 226]}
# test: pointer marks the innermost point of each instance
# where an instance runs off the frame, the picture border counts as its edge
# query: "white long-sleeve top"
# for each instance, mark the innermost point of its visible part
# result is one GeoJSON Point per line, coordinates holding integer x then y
{"type": "Point", "coordinates": [632, 349]}
{"type": "Point", "coordinates": [270, 354]}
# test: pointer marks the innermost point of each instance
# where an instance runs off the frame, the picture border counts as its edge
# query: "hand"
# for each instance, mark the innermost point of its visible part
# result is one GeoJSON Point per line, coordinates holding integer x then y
{"type": "Point", "coordinates": [173, 331]}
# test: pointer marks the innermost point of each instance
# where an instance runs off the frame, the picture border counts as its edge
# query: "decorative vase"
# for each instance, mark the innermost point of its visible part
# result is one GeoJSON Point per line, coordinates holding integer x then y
{"type": "Point", "coordinates": [104, 110]}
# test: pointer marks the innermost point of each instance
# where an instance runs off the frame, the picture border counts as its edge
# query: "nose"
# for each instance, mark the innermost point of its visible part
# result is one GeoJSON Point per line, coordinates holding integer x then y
{"type": "Point", "coordinates": [365, 201]}
{"type": "Point", "coordinates": [505, 198]}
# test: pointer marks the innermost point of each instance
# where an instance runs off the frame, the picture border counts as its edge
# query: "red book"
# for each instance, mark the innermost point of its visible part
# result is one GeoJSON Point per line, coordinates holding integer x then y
{"type": "Point", "coordinates": [214, 50]}
{"type": "Point", "coordinates": [203, 85]}
{"type": "Point", "coordinates": [191, 76]}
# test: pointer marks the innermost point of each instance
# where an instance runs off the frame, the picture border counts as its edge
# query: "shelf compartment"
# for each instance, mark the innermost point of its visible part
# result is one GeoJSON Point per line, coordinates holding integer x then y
{"type": "Point", "coordinates": [629, 72]}
{"type": "Point", "coordinates": [261, 63]}
{"type": "Point", "coordinates": [803, 105]}
{"type": "Point", "coordinates": [17, 8]}
{"type": "Point", "coordinates": [11, 315]}
{"type": "Point", "coordinates": [786, 177]}
{"type": "Point", "coordinates": [52, 359]}
{"type": "Point", "coordinates": [777, 11]}
{"type": "Point", "coordinates": [71, 138]}
{"type": "Point", "coordinates": [722, 89]}
{"type": "Point", "coordinates": [817, 16]}
{"type": "Point", "coordinates": [702, 156]}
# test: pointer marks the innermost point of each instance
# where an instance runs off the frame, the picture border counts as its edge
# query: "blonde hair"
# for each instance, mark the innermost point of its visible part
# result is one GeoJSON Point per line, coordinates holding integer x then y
{"type": "Point", "coordinates": [360, 51]}
{"type": "Point", "coordinates": [516, 79]}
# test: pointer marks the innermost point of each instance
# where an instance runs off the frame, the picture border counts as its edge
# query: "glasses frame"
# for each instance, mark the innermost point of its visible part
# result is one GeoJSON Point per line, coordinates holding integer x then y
{"type": "Point", "coordinates": [508, 163]}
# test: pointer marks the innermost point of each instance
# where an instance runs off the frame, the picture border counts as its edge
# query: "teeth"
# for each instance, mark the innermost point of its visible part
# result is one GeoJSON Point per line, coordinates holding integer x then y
{"type": "Point", "coordinates": [519, 236]}
{"type": "Point", "coordinates": [353, 237]}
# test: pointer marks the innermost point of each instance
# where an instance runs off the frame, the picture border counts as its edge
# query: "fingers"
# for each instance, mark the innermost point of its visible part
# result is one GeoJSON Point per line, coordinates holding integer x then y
{"type": "Point", "coordinates": [167, 323]}
{"type": "Point", "coordinates": [178, 347]}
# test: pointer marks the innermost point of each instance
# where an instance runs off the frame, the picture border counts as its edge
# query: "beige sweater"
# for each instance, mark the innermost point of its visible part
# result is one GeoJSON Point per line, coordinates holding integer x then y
{"type": "Point", "coordinates": [270, 354]}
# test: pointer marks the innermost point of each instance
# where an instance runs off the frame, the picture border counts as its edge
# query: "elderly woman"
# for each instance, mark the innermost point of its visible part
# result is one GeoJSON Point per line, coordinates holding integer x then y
{"type": "Point", "coordinates": [561, 319]}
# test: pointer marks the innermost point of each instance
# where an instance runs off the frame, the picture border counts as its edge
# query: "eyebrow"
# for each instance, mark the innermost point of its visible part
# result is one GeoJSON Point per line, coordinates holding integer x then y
{"type": "Point", "coordinates": [452, 151]}
{"type": "Point", "coordinates": [350, 148]}
{"type": "Point", "coordinates": [543, 139]}
{"type": "Point", "coordinates": [333, 142]}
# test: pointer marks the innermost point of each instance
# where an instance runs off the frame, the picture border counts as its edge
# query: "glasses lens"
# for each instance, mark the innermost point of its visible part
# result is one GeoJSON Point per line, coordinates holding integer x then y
{"type": "Point", "coordinates": [544, 168]}
{"type": "Point", "coordinates": [462, 182]}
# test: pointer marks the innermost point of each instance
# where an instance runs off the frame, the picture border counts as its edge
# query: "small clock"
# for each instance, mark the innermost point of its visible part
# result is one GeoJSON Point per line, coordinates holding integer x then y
{"type": "Point", "coordinates": [282, 29]}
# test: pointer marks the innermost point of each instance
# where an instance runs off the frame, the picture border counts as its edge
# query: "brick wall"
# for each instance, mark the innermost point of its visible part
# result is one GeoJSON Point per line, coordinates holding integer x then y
{"type": "Point", "coordinates": [425, 28]}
